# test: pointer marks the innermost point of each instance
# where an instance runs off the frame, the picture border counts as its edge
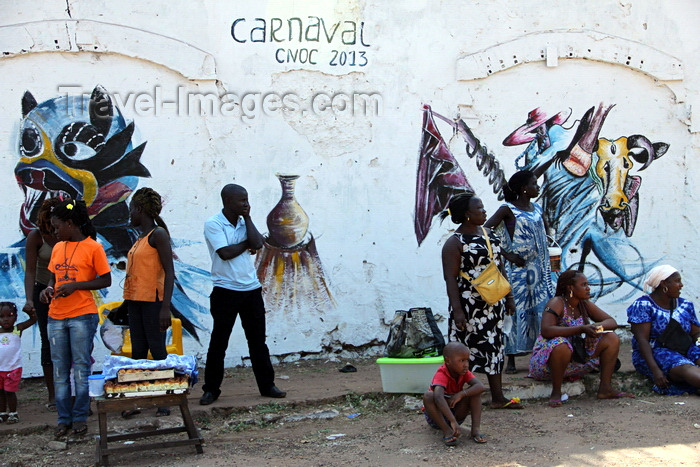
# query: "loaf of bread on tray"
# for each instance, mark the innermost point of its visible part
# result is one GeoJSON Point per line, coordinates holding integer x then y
{"type": "Point", "coordinates": [178, 382]}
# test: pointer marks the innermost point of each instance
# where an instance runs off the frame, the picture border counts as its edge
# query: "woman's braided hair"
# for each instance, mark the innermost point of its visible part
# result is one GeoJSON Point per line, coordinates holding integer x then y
{"type": "Point", "coordinates": [75, 210]}
{"type": "Point", "coordinates": [514, 187]}
{"type": "Point", "coordinates": [150, 203]}
{"type": "Point", "coordinates": [566, 279]}
{"type": "Point", "coordinates": [458, 207]}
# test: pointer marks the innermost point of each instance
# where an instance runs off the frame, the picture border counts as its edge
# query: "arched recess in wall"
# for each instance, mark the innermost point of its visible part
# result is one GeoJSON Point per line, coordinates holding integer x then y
{"type": "Point", "coordinates": [98, 37]}
{"type": "Point", "coordinates": [551, 46]}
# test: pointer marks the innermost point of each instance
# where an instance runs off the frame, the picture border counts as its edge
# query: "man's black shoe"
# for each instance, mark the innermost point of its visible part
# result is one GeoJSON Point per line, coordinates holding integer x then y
{"type": "Point", "coordinates": [274, 392]}
{"type": "Point", "coordinates": [207, 398]}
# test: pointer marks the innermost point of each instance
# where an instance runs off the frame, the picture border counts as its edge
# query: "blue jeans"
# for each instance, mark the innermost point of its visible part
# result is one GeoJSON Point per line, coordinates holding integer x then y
{"type": "Point", "coordinates": [71, 344]}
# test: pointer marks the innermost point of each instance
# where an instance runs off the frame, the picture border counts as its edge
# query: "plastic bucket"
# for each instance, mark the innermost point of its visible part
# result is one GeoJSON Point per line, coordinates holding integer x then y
{"type": "Point", "coordinates": [555, 258]}
{"type": "Point", "coordinates": [96, 385]}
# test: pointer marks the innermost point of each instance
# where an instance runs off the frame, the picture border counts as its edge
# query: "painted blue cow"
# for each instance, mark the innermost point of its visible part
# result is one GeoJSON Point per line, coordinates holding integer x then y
{"type": "Point", "coordinates": [590, 198]}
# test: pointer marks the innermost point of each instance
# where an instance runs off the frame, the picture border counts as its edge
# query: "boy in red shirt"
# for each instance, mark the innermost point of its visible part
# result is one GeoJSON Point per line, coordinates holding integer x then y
{"type": "Point", "coordinates": [453, 394]}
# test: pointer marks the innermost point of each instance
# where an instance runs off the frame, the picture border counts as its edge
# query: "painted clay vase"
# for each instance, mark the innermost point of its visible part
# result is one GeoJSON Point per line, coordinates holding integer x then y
{"type": "Point", "coordinates": [287, 223]}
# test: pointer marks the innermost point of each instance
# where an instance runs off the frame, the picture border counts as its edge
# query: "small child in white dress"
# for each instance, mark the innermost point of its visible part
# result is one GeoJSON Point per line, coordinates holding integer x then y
{"type": "Point", "coordinates": [11, 359]}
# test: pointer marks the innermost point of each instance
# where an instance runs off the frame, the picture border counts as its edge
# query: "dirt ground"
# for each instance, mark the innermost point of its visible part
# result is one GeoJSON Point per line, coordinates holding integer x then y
{"type": "Point", "coordinates": [367, 427]}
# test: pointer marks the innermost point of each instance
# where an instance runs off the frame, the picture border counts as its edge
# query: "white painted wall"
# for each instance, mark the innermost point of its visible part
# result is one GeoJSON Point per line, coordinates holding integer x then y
{"type": "Point", "coordinates": [358, 172]}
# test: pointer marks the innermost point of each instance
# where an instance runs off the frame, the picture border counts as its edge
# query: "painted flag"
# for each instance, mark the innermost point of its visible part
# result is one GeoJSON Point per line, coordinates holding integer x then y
{"type": "Point", "coordinates": [439, 176]}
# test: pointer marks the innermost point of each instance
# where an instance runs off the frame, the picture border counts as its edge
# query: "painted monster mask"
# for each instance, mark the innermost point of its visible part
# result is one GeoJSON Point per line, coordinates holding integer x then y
{"type": "Point", "coordinates": [79, 147]}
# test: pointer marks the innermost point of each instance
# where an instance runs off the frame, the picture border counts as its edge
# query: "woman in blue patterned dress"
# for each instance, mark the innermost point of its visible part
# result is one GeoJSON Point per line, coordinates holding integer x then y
{"type": "Point", "coordinates": [672, 372]}
{"type": "Point", "coordinates": [568, 314]}
{"type": "Point", "coordinates": [522, 231]}
{"type": "Point", "coordinates": [472, 321]}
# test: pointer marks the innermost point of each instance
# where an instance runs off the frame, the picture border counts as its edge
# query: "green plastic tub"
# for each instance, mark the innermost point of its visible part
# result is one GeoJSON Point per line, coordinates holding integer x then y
{"type": "Point", "coordinates": [408, 375]}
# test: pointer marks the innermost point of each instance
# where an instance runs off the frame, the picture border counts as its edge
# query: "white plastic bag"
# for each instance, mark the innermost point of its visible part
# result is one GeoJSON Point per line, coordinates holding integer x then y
{"type": "Point", "coordinates": [507, 324]}
{"type": "Point", "coordinates": [112, 335]}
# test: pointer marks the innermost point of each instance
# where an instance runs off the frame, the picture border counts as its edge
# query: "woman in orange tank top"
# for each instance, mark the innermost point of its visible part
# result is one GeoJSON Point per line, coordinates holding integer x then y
{"type": "Point", "coordinates": [150, 275]}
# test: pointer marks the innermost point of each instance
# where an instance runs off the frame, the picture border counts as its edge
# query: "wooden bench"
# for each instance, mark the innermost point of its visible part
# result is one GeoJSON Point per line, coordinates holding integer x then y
{"type": "Point", "coordinates": [119, 404]}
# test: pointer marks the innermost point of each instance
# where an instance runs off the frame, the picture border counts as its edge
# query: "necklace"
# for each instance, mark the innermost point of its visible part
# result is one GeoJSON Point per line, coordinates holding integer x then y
{"type": "Point", "coordinates": [67, 264]}
{"type": "Point", "coordinates": [573, 309]}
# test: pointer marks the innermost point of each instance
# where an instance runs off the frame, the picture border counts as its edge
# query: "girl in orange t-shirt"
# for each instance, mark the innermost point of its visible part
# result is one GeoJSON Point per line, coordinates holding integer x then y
{"type": "Point", "coordinates": [78, 266]}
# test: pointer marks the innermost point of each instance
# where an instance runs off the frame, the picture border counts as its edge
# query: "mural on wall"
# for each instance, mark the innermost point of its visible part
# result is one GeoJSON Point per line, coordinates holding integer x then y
{"type": "Point", "coordinates": [288, 265]}
{"type": "Point", "coordinates": [588, 194]}
{"type": "Point", "coordinates": [78, 148]}
{"type": "Point", "coordinates": [439, 175]}
{"type": "Point", "coordinates": [81, 147]}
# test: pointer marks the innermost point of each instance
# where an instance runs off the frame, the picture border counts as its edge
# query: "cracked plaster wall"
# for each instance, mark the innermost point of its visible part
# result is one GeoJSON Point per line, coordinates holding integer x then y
{"type": "Point", "coordinates": [357, 171]}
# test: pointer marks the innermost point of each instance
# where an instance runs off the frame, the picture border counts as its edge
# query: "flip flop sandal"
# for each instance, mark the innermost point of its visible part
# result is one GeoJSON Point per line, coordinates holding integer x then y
{"type": "Point", "coordinates": [511, 370]}
{"type": "Point", "coordinates": [479, 439]}
{"type": "Point", "coordinates": [555, 403]}
{"type": "Point", "coordinates": [80, 429]}
{"type": "Point", "coordinates": [3, 416]}
{"type": "Point", "coordinates": [61, 430]}
{"type": "Point", "coordinates": [12, 417]}
{"type": "Point", "coordinates": [513, 404]}
{"type": "Point", "coordinates": [449, 440]}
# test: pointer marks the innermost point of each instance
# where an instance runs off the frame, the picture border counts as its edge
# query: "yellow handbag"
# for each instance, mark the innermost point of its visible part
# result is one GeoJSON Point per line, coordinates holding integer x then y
{"type": "Point", "coordinates": [490, 284]}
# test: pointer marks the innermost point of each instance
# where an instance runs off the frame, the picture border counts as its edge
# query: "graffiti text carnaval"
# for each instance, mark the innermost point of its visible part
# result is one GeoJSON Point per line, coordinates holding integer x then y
{"type": "Point", "coordinates": [276, 30]}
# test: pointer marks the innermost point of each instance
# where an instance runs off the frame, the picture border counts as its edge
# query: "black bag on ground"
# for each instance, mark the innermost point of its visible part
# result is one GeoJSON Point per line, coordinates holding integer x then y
{"type": "Point", "coordinates": [674, 336]}
{"type": "Point", "coordinates": [414, 333]}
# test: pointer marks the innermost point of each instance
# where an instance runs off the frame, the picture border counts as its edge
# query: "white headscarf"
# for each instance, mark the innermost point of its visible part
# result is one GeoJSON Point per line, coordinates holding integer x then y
{"type": "Point", "coordinates": [656, 275]}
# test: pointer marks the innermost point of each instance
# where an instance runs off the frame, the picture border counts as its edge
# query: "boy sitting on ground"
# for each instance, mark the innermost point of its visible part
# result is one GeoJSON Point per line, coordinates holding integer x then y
{"type": "Point", "coordinates": [447, 403]}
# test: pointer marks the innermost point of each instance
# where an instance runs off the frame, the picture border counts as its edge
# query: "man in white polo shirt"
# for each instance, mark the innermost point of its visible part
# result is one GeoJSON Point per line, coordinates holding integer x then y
{"type": "Point", "coordinates": [231, 236]}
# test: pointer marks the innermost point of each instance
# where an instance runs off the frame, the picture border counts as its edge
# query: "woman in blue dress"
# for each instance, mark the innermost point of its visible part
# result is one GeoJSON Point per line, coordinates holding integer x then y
{"type": "Point", "coordinates": [524, 241]}
{"type": "Point", "coordinates": [672, 372]}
